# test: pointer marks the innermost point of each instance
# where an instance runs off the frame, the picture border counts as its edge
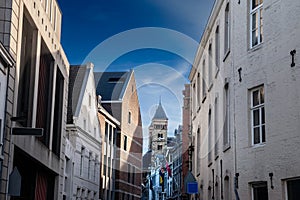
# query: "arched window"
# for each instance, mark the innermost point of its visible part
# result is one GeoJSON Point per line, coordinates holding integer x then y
{"type": "Point", "coordinates": [227, 30]}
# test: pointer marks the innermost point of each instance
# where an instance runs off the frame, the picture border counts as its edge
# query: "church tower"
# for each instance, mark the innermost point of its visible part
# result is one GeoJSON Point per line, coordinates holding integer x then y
{"type": "Point", "coordinates": [158, 131]}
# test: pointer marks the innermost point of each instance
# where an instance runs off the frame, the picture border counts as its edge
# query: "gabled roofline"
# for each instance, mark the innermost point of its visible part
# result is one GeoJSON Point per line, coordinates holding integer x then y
{"type": "Point", "coordinates": [205, 36]}
{"type": "Point", "coordinates": [89, 66]}
{"type": "Point", "coordinates": [125, 86]}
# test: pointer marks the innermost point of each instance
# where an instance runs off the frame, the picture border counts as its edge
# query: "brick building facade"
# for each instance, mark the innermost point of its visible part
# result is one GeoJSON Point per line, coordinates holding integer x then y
{"type": "Point", "coordinates": [245, 102]}
{"type": "Point", "coordinates": [119, 97]}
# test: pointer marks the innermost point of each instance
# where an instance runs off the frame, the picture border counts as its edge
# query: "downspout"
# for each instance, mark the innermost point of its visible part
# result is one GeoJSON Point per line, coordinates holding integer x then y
{"type": "Point", "coordinates": [234, 109]}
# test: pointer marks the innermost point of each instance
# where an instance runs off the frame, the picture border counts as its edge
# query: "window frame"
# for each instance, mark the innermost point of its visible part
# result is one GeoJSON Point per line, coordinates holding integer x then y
{"type": "Point", "coordinates": [210, 66]}
{"type": "Point", "coordinates": [287, 186]}
{"type": "Point", "coordinates": [217, 50]}
{"type": "Point", "coordinates": [227, 30]}
{"type": "Point", "coordinates": [260, 125]}
{"type": "Point", "coordinates": [204, 85]}
{"type": "Point", "coordinates": [125, 142]}
{"type": "Point", "coordinates": [209, 137]}
{"type": "Point", "coordinates": [255, 185]}
{"type": "Point", "coordinates": [159, 147]}
{"type": "Point", "coordinates": [257, 10]}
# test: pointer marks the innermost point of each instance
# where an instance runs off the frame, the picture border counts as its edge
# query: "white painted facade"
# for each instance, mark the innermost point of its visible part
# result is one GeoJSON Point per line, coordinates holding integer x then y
{"type": "Point", "coordinates": [254, 149]}
{"type": "Point", "coordinates": [85, 137]}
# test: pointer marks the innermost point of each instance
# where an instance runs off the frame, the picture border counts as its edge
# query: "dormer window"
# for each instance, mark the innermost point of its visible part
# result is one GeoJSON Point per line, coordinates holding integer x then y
{"type": "Point", "coordinates": [116, 80]}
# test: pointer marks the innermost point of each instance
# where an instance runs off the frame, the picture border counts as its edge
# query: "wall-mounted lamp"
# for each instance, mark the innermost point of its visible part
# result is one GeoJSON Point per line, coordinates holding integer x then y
{"type": "Point", "coordinates": [293, 52]}
{"type": "Point", "coordinates": [271, 180]}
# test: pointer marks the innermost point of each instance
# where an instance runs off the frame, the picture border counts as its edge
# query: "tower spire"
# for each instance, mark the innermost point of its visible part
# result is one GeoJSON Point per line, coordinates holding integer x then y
{"type": "Point", "coordinates": [160, 100]}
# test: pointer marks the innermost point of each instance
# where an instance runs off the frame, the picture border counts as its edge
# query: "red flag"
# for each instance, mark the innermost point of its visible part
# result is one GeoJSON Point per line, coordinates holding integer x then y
{"type": "Point", "coordinates": [168, 169]}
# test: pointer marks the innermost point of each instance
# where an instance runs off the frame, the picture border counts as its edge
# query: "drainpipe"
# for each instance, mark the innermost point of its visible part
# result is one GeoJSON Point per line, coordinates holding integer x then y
{"type": "Point", "coordinates": [234, 116]}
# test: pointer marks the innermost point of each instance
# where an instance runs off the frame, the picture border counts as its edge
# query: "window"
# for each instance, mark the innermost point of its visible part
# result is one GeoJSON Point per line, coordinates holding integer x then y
{"type": "Point", "coordinates": [26, 73]}
{"type": "Point", "coordinates": [81, 160]}
{"type": "Point", "coordinates": [50, 10]}
{"type": "Point", "coordinates": [111, 129]}
{"type": "Point", "coordinates": [203, 80]}
{"type": "Point", "coordinates": [160, 136]}
{"type": "Point", "coordinates": [115, 136]}
{"type": "Point", "coordinates": [106, 131]}
{"type": "Point", "coordinates": [45, 4]}
{"type": "Point", "coordinates": [45, 89]}
{"type": "Point", "coordinates": [198, 151]}
{"type": "Point", "coordinates": [116, 80]}
{"type": "Point", "coordinates": [217, 49]}
{"type": "Point", "coordinates": [293, 189]}
{"type": "Point", "coordinates": [198, 90]}
{"type": "Point", "coordinates": [256, 22]}
{"type": "Point", "coordinates": [125, 143]}
{"type": "Point", "coordinates": [78, 193]}
{"type": "Point", "coordinates": [159, 147]}
{"type": "Point", "coordinates": [84, 124]}
{"type": "Point", "coordinates": [58, 107]}
{"type": "Point", "coordinates": [216, 128]}
{"type": "Point", "coordinates": [227, 30]}
{"type": "Point", "coordinates": [226, 188]}
{"type": "Point", "coordinates": [54, 20]}
{"type": "Point", "coordinates": [194, 99]}
{"type": "Point", "coordinates": [133, 174]}
{"type": "Point", "coordinates": [89, 165]}
{"type": "Point", "coordinates": [90, 100]}
{"type": "Point", "coordinates": [260, 191]}
{"type": "Point", "coordinates": [129, 117]}
{"type": "Point", "coordinates": [104, 165]}
{"type": "Point", "coordinates": [108, 166]}
{"type": "Point", "coordinates": [128, 172]}
{"type": "Point", "coordinates": [258, 116]}
{"type": "Point", "coordinates": [209, 65]}
{"type": "Point", "coordinates": [209, 137]}
{"type": "Point", "coordinates": [226, 135]}
{"type": "Point", "coordinates": [95, 167]}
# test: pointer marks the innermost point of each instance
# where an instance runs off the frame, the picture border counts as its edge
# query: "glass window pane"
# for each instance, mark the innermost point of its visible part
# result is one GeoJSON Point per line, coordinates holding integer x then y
{"type": "Point", "coordinates": [293, 189]}
{"type": "Point", "coordinates": [254, 21]}
{"type": "Point", "coordinates": [260, 192]}
{"type": "Point", "coordinates": [256, 135]}
{"type": "Point", "coordinates": [261, 35]}
{"type": "Point", "coordinates": [263, 115]}
{"type": "Point", "coordinates": [254, 37]}
{"type": "Point", "coordinates": [262, 95]}
{"type": "Point", "coordinates": [255, 117]}
{"type": "Point", "coordinates": [263, 133]}
{"type": "Point", "coordinates": [261, 25]}
{"type": "Point", "coordinates": [254, 3]}
{"type": "Point", "coordinates": [255, 100]}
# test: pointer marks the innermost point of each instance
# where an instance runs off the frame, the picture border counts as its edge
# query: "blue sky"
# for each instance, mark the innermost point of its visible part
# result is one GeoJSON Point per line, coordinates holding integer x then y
{"type": "Point", "coordinates": [157, 39]}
